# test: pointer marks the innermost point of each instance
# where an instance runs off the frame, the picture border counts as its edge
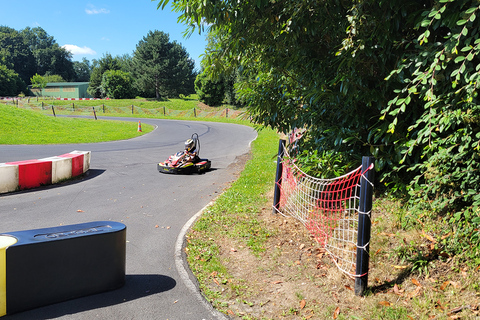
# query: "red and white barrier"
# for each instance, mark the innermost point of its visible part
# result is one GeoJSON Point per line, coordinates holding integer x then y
{"type": "Point", "coordinates": [27, 174]}
{"type": "Point", "coordinates": [77, 99]}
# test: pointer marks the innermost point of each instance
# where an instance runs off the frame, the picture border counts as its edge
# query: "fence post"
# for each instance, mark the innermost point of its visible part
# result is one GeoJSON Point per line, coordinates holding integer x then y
{"type": "Point", "coordinates": [226, 113]}
{"type": "Point", "coordinates": [73, 106]}
{"type": "Point", "coordinates": [94, 113]}
{"type": "Point", "coordinates": [364, 225]}
{"type": "Point", "coordinates": [278, 176]}
{"type": "Point", "coordinates": [194, 113]}
{"type": "Point", "coordinates": [164, 113]}
{"type": "Point", "coordinates": [103, 107]}
{"type": "Point", "coordinates": [132, 108]}
{"type": "Point", "coordinates": [53, 110]}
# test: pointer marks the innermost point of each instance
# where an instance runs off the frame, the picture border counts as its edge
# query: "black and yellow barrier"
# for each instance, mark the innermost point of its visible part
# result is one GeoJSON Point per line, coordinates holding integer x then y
{"type": "Point", "coordinates": [45, 266]}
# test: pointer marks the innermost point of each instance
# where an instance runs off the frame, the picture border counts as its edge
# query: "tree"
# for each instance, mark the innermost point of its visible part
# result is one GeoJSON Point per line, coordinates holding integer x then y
{"type": "Point", "coordinates": [10, 82]}
{"type": "Point", "coordinates": [82, 70]}
{"type": "Point", "coordinates": [395, 79]}
{"type": "Point", "coordinates": [162, 68]}
{"type": "Point", "coordinates": [53, 78]}
{"type": "Point", "coordinates": [15, 52]}
{"type": "Point", "coordinates": [210, 91]}
{"type": "Point", "coordinates": [107, 62]}
{"type": "Point", "coordinates": [38, 82]}
{"type": "Point", "coordinates": [50, 58]}
{"type": "Point", "coordinates": [118, 84]}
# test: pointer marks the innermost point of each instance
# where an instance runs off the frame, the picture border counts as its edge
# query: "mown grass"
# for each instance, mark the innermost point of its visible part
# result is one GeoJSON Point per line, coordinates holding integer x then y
{"type": "Point", "coordinates": [177, 104]}
{"type": "Point", "coordinates": [188, 108]}
{"type": "Point", "coordinates": [234, 215]}
{"type": "Point", "coordinates": [20, 126]}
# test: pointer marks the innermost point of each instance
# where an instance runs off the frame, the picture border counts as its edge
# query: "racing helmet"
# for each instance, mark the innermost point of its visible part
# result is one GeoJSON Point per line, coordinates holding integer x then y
{"type": "Point", "coordinates": [190, 145]}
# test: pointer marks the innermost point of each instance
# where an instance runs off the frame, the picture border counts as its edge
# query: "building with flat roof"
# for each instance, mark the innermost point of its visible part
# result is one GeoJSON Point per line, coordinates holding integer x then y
{"type": "Point", "coordinates": [74, 90]}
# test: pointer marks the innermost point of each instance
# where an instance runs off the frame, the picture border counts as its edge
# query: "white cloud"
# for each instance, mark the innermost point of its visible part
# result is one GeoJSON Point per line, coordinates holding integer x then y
{"type": "Point", "coordinates": [79, 50]}
{"type": "Point", "coordinates": [93, 10]}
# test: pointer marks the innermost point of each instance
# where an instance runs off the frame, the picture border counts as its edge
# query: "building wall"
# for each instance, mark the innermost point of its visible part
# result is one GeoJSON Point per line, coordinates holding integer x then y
{"type": "Point", "coordinates": [64, 90]}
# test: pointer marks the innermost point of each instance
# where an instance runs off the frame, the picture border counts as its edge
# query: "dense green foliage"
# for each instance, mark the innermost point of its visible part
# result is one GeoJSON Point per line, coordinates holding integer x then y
{"type": "Point", "coordinates": [106, 63]}
{"type": "Point", "coordinates": [38, 81]}
{"type": "Point", "coordinates": [396, 79]}
{"type": "Point", "coordinates": [211, 91]}
{"type": "Point", "coordinates": [10, 82]}
{"type": "Point", "coordinates": [50, 58]}
{"type": "Point", "coordinates": [32, 51]}
{"type": "Point", "coordinates": [118, 84]}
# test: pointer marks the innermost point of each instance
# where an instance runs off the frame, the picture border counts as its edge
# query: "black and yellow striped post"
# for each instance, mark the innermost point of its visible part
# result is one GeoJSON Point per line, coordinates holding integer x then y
{"type": "Point", "coordinates": [45, 266]}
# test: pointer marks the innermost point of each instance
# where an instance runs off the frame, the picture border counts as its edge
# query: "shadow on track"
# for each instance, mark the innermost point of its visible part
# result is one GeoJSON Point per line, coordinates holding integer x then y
{"type": "Point", "coordinates": [136, 286]}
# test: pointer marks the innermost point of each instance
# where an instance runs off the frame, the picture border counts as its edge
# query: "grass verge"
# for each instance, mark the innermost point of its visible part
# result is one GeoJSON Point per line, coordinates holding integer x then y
{"type": "Point", "coordinates": [252, 264]}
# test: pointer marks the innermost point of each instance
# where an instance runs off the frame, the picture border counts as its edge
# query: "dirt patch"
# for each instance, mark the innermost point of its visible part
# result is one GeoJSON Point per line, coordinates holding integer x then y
{"type": "Point", "coordinates": [290, 279]}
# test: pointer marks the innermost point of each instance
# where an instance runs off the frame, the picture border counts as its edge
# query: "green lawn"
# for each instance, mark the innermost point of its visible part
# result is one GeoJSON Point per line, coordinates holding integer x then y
{"type": "Point", "coordinates": [19, 126]}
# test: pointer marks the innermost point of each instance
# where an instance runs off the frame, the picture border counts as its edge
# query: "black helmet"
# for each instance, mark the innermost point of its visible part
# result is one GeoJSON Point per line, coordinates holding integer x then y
{"type": "Point", "coordinates": [190, 145]}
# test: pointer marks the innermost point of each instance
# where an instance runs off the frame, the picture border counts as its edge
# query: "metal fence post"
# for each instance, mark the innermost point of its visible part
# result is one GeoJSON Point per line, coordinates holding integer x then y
{"type": "Point", "coordinates": [364, 225]}
{"type": "Point", "coordinates": [278, 176]}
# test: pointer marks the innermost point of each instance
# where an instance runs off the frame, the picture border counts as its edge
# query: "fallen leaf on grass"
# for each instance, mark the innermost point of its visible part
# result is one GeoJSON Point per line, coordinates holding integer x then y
{"type": "Point", "coordinates": [414, 293]}
{"type": "Point", "coordinates": [276, 282]}
{"type": "Point", "coordinates": [396, 290]}
{"type": "Point", "coordinates": [429, 237]}
{"type": "Point", "coordinates": [231, 312]}
{"type": "Point", "coordinates": [400, 267]}
{"type": "Point", "coordinates": [444, 285]}
{"type": "Point", "coordinates": [384, 303]}
{"type": "Point", "coordinates": [415, 282]}
{"type": "Point", "coordinates": [302, 304]}
{"type": "Point", "coordinates": [348, 287]}
{"type": "Point", "coordinates": [336, 313]}
{"type": "Point", "coordinates": [439, 306]}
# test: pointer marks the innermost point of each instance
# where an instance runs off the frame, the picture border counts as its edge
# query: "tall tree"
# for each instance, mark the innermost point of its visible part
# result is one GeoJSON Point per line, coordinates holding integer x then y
{"type": "Point", "coordinates": [15, 52]}
{"type": "Point", "coordinates": [162, 68]}
{"type": "Point", "coordinates": [50, 58]}
{"type": "Point", "coordinates": [82, 70]}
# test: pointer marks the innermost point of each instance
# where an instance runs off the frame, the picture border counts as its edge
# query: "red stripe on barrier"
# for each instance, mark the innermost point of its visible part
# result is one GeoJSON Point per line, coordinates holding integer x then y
{"type": "Point", "coordinates": [33, 173]}
{"type": "Point", "coordinates": [77, 163]}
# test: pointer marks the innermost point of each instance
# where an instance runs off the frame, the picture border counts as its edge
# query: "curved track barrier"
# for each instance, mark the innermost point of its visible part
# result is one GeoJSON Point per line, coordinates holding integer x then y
{"type": "Point", "coordinates": [28, 174]}
{"type": "Point", "coordinates": [45, 266]}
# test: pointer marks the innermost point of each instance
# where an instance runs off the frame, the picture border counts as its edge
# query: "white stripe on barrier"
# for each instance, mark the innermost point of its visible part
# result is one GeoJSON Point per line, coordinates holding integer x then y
{"type": "Point", "coordinates": [8, 177]}
{"type": "Point", "coordinates": [61, 168]}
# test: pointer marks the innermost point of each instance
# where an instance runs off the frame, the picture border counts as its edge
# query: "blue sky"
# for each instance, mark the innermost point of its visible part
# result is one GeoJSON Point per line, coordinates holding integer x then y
{"type": "Point", "coordinates": [91, 29]}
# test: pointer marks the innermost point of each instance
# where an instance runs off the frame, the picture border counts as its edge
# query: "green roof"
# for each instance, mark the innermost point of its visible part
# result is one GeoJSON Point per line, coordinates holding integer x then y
{"type": "Point", "coordinates": [65, 84]}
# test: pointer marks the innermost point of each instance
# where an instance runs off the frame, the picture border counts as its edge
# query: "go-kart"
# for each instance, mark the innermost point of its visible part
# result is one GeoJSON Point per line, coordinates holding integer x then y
{"type": "Point", "coordinates": [186, 162]}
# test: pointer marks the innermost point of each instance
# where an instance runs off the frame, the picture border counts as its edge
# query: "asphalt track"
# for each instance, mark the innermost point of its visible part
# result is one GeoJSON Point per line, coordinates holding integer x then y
{"type": "Point", "coordinates": [123, 185]}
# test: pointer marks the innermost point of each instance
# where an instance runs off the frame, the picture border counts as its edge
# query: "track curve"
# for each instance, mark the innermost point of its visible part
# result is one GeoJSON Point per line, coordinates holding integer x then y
{"type": "Point", "coordinates": [124, 185]}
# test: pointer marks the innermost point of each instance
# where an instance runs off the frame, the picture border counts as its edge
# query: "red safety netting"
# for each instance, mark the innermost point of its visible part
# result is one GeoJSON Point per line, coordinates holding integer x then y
{"type": "Point", "coordinates": [328, 208]}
